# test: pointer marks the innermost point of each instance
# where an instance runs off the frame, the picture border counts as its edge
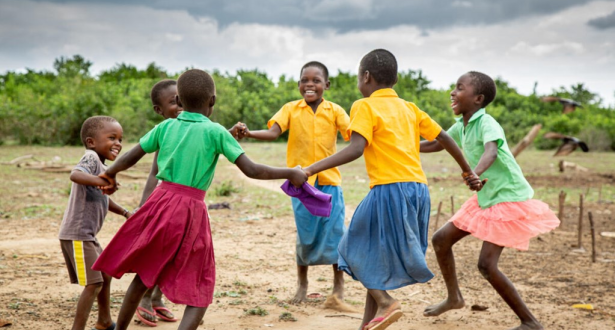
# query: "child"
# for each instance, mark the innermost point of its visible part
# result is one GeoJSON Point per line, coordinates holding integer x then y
{"type": "Point", "coordinates": [313, 123]}
{"type": "Point", "coordinates": [502, 214]}
{"type": "Point", "coordinates": [384, 247]}
{"type": "Point", "coordinates": [173, 224]}
{"type": "Point", "coordinates": [84, 216]}
{"type": "Point", "coordinates": [163, 100]}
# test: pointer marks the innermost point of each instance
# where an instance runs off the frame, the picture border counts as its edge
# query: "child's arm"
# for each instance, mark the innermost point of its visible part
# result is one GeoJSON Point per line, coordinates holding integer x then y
{"type": "Point", "coordinates": [117, 209]}
{"type": "Point", "coordinates": [152, 181]}
{"type": "Point", "coordinates": [431, 146]}
{"type": "Point", "coordinates": [123, 163]}
{"type": "Point", "coordinates": [87, 179]}
{"type": "Point", "coordinates": [488, 157]}
{"type": "Point", "coordinates": [264, 172]}
{"type": "Point", "coordinates": [265, 135]}
{"type": "Point", "coordinates": [468, 174]}
{"type": "Point", "coordinates": [353, 151]}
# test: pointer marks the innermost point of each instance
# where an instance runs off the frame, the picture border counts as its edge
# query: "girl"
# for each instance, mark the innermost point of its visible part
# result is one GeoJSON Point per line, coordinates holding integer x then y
{"type": "Point", "coordinates": [313, 123]}
{"type": "Point", "coordinates": [502, 214]}
{"type": "Point", "coordinates": [173, 225]}
{"type": "Point", "coordinates": [384, 247]}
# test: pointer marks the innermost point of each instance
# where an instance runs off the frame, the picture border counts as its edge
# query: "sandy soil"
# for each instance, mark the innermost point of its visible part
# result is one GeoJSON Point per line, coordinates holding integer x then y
{"type": "Point", "coordinates": [256, 267]}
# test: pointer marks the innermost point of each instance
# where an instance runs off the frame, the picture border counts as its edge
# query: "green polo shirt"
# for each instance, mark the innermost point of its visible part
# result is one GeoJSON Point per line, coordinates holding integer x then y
{"type": "Point", "coordinates": [506, 181]}
{"type": "Point", "coordinates": [188, 149]}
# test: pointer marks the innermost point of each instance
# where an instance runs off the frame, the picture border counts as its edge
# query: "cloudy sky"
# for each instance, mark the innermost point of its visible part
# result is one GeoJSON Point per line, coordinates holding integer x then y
{"type": "Point", "coordinates": [552, 42]}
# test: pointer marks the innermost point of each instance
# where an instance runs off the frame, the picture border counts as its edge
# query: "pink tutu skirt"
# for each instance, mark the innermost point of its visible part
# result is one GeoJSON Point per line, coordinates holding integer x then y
{"type": "Point", "coordinates": [509, 224]}
{"type": "Point", "coordinates": [167, 242]}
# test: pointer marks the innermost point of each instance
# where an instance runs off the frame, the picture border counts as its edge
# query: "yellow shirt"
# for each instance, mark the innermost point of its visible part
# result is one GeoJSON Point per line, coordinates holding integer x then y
{"type": "Point", "coordinates": [312, 136]}
{"type": "Point", "coordinates": [392, 128]}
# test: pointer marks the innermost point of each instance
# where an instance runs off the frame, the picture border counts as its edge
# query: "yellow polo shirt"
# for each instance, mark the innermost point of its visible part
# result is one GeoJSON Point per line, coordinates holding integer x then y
{"type": "Point", "coordinates": [312, 136]}
{"type": "Point", "coordinates": [392, 128]}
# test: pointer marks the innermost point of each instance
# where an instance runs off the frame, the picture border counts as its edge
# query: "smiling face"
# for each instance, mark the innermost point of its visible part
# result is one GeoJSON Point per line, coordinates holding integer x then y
{"type": "Point", "coordinates": [168, 107]}
{"type": "Point", "coordinates": [312, 84]}
{"type": "Point", "coordinates": [107, 142]}
{"type": "Point", "coordinates": [464, 98]}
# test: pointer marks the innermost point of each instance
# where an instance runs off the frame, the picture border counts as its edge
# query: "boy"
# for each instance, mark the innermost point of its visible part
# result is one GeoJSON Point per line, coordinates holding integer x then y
{"type": "Point", "coordinates": [84, 216]}
{"type": "Point", "coordinates": [313, 123]}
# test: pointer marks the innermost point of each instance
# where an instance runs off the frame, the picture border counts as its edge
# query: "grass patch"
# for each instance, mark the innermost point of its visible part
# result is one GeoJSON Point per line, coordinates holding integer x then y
{"type": "Point", "coordinates": [287, 317]}
{"type": "Point", "coordinates": [257, 311]}
{"type": "Point", "coordinates": [226, 188]}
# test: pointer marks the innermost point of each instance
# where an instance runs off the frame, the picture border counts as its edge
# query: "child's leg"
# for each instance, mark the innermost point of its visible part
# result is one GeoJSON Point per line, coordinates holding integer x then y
{"type": "Point", "coordinates": [443, 241]}
{"type": "Point", "coordinates": [338, 283]}
{"type": "Point", "coordinates": [488, 266]}
{"type": "Point", "coordinates": [192, 317]}
{"type": "Point", "coordinates": [132, 298]}
{"type": "Point", "coordinates": [104, 304]}
{"type": "Point", "coordinates": [84, 305]}
{"type": "Point", "coordinates": [370, 310]}
{"type": "Point", "coordinates": [302, 285]}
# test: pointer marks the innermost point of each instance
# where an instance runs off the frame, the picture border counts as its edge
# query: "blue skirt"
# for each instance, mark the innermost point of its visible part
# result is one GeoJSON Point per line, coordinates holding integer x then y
{"type": "Point", "coordinates": [319, 237]}
{"type": "Point", "coordinates": [384, 247]}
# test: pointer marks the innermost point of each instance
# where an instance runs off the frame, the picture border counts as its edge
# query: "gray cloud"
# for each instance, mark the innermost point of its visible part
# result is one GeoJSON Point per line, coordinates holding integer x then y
{"type": "Point", "coordinates": [353, 15]}
{"type": "Point", "coordinates": [604, 22]}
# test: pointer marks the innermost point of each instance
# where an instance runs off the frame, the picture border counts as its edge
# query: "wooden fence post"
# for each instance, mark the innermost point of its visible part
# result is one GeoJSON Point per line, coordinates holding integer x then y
{"type": "Point", "coordinates": [438, 215]}
{"type": "Point", "coordinates": [593, 232]}
{"type": "Point", "coordinates": [580, 244]}
{"type": "Point", "coordinates": [560, 213]}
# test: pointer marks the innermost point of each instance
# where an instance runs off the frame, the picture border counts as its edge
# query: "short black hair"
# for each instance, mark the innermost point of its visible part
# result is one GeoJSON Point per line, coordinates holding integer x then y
{"type": "Point", "coordinates": [382, 66]}
{"type": "Point", "coordinates": [315, 64]}
{"type": "Point", "coordinates": [92, 125]}
{"type": "Point", "coordinates": [483, 84]}
{"type": "Point", "coordinates": [158, 88]}
{"type": "Point", "coordinates": [194, 88]}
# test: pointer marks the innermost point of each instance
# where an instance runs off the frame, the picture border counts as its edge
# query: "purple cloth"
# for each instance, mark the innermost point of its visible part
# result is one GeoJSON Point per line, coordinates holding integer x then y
{"type": "Point", "coordinates": [315, 201]}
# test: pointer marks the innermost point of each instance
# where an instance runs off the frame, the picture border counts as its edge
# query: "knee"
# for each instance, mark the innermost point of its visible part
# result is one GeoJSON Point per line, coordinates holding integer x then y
{"type": "Point", "coordinates": [486, 268]}
{"type": "Point", "coordinates": [439, 241]}
{"type": "Point", "coordinates": [95, 287]}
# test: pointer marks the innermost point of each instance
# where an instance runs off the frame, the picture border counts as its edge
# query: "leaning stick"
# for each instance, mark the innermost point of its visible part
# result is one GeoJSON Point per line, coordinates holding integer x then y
{"type": "Point", "coordinates": [452, 205]}
{"type": "Point", "coordinates": [527, 140]}
{"type": "Point", "coordinates": [579, 244]}
{"type": "Point", "coordinates": [438, 215]}
{"type": "Point", "coordinates": [591, 228]}
{"type": "Point", "coordinates": [560, 213]}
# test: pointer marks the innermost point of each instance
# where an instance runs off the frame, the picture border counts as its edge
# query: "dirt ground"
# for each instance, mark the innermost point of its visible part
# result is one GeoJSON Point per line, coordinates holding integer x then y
{"type": "Point", "coordinates": [256, 268]}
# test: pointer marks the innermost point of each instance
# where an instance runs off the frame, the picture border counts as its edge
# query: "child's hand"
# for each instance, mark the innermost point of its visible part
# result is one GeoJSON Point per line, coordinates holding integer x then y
{"type": "Point", "coordinates": [112, 187]}
{"type": "Point", "coordinates": [298, 177]}
{"type": "Point", "coordinates": [472, 180]}
{"type": "Point", "coordinates": [243, 130]}
{"type": "Point", "coordinates": [239, 130]}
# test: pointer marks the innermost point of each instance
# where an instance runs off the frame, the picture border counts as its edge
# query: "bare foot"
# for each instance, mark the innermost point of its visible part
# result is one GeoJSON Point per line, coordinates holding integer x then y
{"type": "Point", "coordinates": [301, 295]}
{"type": "Point", "coordinates": [444, 306]}
{"type": "Point", "coordinates": [529, 326]}
{"type": "Point", "coordinates": [335, 303]}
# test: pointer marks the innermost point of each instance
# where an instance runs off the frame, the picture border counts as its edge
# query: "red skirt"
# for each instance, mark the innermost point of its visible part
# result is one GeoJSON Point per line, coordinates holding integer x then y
{"type": "Point", "coordinates": [167, 242]}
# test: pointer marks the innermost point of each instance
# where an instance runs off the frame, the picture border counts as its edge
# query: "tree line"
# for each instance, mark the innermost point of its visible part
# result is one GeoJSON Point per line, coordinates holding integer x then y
{"type": "Point", "coordinates": [48, 107]}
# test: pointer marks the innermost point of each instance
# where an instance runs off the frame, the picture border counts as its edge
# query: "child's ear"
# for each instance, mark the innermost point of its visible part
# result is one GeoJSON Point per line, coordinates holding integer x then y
{"type": "Point", "coordinates": [212, 101]}
{"type": "Point", "coordinates": [366, 77]}
{"type": "Point", "coordinates": [158, 110]}
{"type": "Point", "coordinates": [179, 103]}
{"type": "Point", "coordinates": [480, 98]}
{"type": "Point", "coordinates": [327, 85]}
{"type": "Point", "coordinates": [89, 142]}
